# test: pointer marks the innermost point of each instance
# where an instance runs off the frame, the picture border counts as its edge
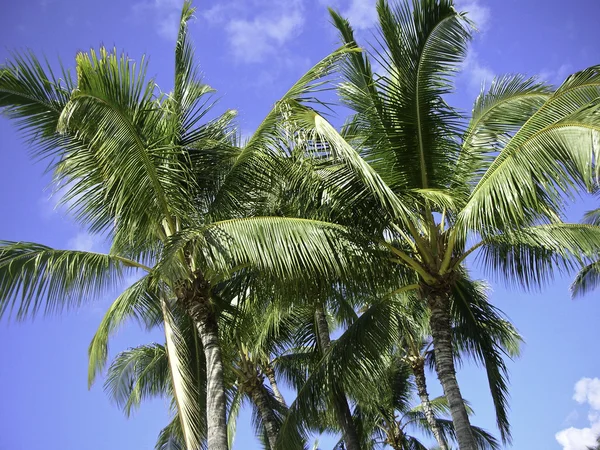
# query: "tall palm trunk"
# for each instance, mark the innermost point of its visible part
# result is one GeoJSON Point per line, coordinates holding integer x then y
{"type": "Point", "coordinates": [196, 300]}
{"type": "Point", "coordinates": [340, 403]}
{"type": "Point", "coordinates": [216, 405]}
{"type": "Point", "coordinates": [260, 398]}
{"type": "Point", "coordinates": [441, 331]}
{"type": "Point", "coordinates": [418, 368]}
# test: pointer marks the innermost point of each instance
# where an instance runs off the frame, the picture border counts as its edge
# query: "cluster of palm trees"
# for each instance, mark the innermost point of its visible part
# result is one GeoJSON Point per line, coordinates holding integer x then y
{"type": "Point", "coordinates": [251, 254]}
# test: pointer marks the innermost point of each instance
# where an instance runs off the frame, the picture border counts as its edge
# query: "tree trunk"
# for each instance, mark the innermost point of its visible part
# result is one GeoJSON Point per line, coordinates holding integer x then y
{"type": "Point", "coordinates": [260, 397]}
{"type": "Point", "coordinates": [418, 368]}
{"type": "Point", "coordinates": [340, 403]}
{"type": "Point", "coordinates": [270, 373]}
{"type": "Point", "coordinates": [216, 405]}
{"type": "Point", "coordinates": [441, 331]}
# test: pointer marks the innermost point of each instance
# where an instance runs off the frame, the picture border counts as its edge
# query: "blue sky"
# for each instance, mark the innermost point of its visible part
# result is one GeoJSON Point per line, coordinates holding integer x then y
{"type": "Point", "coordinates": [251, 51]}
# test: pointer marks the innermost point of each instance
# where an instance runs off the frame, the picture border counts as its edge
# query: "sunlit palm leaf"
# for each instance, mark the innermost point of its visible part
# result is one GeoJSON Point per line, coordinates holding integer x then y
{"type": "Point", "coordinates": [35, 277]}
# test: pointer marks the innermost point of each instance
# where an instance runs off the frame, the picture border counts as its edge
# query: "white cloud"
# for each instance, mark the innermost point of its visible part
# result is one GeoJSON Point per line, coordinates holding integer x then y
{"type": "Point", "coordinates": [475, 73]}
{"type": "Point", "coordinates": [477, 12]}
{"type": "Point", "coordinates": [165, 13]}
{"type": "Point", "coordinates": [361, 14]}
{"type": "Point", "coordinates": [578, 438]}
{"type": "Point", "coordinates": [253, 39]}
{"type": "Point", "coordinates": [84, 242]}
{"type": "Point", "coordinates": [587, 390]}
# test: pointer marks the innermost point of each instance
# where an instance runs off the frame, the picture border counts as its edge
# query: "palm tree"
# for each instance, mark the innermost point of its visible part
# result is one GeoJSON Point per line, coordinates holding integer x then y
{"type": "Point", "coordinates": [434, 189]}
{"type": "Point", "coordinates": [388, 417]}
{"type": "Point", "coordinates": [293, 337]}
{"type": "Point", "coordinates": [171, 193]}
{"type": "Point", "coordinates": [396, 326]}
{"type": "Point", "coordinates": [486, 337]}
{"type": "Point", "coordinates": [143, 372]}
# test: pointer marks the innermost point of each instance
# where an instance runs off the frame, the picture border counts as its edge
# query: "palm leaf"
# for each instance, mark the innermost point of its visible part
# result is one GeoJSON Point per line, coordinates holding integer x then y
{"type": "Point", "coordinates": [546, 158]}
{"type": "Point", "coordinates": [137, 374]}
{"type": "Point", "coordinates": [531, 256]}
{"type": "Point", "coordinates": [140, 302]}
{"type": "Point", "coordinates": [35, 277]}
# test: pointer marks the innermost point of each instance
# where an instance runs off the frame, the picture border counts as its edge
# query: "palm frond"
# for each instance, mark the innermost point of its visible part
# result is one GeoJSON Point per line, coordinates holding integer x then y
{"type": "Point", "coordinates": [497, 114]}
{"type": "Point", "coordinates": [140, 302]}
{"type": "Point", "coordinates": [137, 374]}
{"type": "Point", "coordinates": [129, 166]}
{"type": "Point", "coordinates": [256, 163]}
{"type": "Point", "coordinates": [549, 156]}
{"type": "Point", "coordinates": [587, 279]}
{"type": "Point", "coordinates": [35, 277]}
{"type": "Point", "coordinates": [483, 439]}
{"type": "Point", "coordinates": [530, 256]}
{"type": "Point", "coordinates": [34, 96]}
{"type": "Point", "coordinates": [286, 248]}
{"type": "Point", "coordinates": [171, 437]}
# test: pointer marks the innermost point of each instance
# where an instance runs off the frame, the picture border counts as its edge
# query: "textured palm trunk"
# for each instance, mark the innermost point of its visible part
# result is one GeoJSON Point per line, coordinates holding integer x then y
{"type": "Point", "coordinates": [441, 332]}
{"type": "Point", "coordinates": [270, 373]}
{"type": "Point", "coordinates": [216, 405]}
{"type": "Point", "coordinates": [340, 403]}
{"type": "Point", "coordinates": [260, 398]}
{"type": "Point", "coordinates": [418, 368]}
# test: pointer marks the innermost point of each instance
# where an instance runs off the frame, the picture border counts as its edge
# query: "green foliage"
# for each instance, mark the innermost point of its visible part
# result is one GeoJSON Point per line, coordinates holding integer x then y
{"type": "Point", "coordinates": [372, 224]}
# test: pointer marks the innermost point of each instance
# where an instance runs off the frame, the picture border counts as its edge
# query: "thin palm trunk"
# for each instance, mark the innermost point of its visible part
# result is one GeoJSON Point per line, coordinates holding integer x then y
{"type": "Point", "coordinates": [418, 368]}
{"type": "Point", "coordinates": [441, 332]}
{"type": "Point", "coordinates": [216, 405]}
{"type": "Point", "coordinates": [270, 373]}
{"type": "Point", "coordinates": [340, 402]}
{"type": "Point", "coordinates": [260, 398]}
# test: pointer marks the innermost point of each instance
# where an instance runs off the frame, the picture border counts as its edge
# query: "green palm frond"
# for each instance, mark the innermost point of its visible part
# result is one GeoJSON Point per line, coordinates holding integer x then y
{"type": "Point", "coordinates": [546, 158]}
{"type": "Point", "coordinates": [497, 114]}
{"type": "Point", "coordinates": [440, 407]}
{"type": "Point", "coordinates": [140, 302]}
{"type": "Point", "coordinates": [360, 353]}
{"type": "Point", "coordinates": [402, 120]}
{"type": "Point", "coordinates": [34, 96]}
{"type": "Point", "coordinates": [35, 277]}
{"type": "Point", "coordinates": [357, 169]}
{"type": "Point", "coordinates": [114, 109]}
{"type": "Point", "coordinates": [137, 374]}
{"type": "Point", "coordinates": [483, 439]}
{"type": "Point", "coordinates": [587, 279]}
{"type": "Point", "coordinates": [592, 217]}
{"type": "Point", "coordinates": [253, 166]}
{"type": "Point", "coordinates": [286, 248]}
{"type": "Point", "coordinates": [531, 255]}
{"type": "Point", "coordinates": [232, 417]}
{"type": "Point", "coordinates": [171, 437]}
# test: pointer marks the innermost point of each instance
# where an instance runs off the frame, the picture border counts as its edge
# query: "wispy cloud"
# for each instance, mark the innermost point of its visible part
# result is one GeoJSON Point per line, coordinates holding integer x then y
{"type": "Point", "coordinates": [85, 242]}
{"type": "Point", "coordinates": [475, 74]}
{"type": "Point", "coordinates": [164, 13]}
{"type": "Point", "coordinates": [557, 76]}
{"type": "Point", "coordinates": [360, 13]}
{"type": "Point", "coordinates": [259, 29]}
{"type": "Point", "coordinates": [476, 12]}
{"type": "Point", "coordinates": [587, 391]}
